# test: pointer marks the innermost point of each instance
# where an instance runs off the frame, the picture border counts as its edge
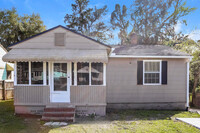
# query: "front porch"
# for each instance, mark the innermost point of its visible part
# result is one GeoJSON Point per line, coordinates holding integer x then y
{"type": "Point", "coordinates": [82, 85]}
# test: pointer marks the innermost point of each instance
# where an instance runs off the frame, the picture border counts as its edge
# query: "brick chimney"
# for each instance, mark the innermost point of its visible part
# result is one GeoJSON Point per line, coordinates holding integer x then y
{"type": "Point", "coordinates": [134, 39]}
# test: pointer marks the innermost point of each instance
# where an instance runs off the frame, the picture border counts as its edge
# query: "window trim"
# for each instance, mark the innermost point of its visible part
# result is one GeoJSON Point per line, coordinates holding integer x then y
{"type": "Point", "coordinates": [160, 73]}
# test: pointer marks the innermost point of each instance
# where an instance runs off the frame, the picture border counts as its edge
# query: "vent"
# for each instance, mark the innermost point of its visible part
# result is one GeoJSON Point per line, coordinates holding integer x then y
{"type": "Point", "coordinates": [59, 39]}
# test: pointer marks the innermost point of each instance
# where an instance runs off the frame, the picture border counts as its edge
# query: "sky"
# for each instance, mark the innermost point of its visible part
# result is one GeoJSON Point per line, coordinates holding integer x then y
{"type": "Point", "coordinates": [52, 13]}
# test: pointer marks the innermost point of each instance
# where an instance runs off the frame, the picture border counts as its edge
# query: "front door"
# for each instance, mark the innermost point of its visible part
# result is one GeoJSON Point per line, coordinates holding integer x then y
{"type": "Point", "coordinates": [61, 82]}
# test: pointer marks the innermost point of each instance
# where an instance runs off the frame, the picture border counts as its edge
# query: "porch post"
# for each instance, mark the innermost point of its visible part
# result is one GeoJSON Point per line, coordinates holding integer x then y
{"type": "Point", "coordinates": [44, 73]}
{"type": "Point", "coordinates": [104, 74]}
{"type": "Point", "coordinates": [75, 73]}
{"type": "Point", "coordinates": [15, 73]}
{"type": "Point", "coordinates": [90, 75]}
{"type": "Point", "coordinates": [49, 72]}
{"type": "Point", "coordinates": [29, 67]}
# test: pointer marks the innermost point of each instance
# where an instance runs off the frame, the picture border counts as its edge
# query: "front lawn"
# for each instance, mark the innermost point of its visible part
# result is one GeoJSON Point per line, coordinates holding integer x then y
{"type": "Point", "coordinates": [116, 121]}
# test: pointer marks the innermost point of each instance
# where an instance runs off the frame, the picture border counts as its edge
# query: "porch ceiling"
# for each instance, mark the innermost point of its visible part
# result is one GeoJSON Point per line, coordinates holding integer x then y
{"type": "Point", "coordinates": [56, 55]}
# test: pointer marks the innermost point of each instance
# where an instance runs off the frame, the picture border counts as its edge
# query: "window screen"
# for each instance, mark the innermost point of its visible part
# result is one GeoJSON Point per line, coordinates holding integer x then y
{"type": "Point", "coordinates": [36, 72]}
{"type": "Point", "coordinates": [152, 72]}
{"type": "Point", "coordinates": [22, 73]}
{"type": "Point", "coordinates": [97, 73]}
{"type": "Point", "coordinates": [83, 73]}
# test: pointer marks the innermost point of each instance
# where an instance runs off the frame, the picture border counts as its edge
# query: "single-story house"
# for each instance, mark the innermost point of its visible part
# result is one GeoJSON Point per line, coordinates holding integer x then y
{"type": "Point", "coordinates": [6, 69]}
{"type": "Point", "coordinates": [62, 68]}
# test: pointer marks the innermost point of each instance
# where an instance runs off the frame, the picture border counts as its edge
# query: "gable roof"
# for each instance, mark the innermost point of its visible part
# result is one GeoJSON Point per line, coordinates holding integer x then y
{"type": "Point", "coordinates": [147, 50]}
{"type": "Point", "coordinates": [3, 48]}
{"type": "Point", "coordinates": [63, 28]}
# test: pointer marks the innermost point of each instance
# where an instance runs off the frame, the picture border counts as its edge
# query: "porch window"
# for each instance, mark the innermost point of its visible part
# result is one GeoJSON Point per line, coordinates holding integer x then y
{"type": "Point", "coordinates": [32, 73]}
{"type": "Point", "coordinates": [83, 73]}
{"type": "Point", "coordinates": [22, 73]}
{"type": "Point", "coordinates": [88, 73]}
{"type": "Point", "coordinates": [97, 73]}
{"type": "Point", "coordinates": [152, 72]}
{"type": "Point", "coordinates": [36, 72]}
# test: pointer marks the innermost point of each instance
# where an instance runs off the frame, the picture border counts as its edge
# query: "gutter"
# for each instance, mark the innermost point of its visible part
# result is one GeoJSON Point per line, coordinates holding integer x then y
{"type": "Point", "coordinates": [112, 55]}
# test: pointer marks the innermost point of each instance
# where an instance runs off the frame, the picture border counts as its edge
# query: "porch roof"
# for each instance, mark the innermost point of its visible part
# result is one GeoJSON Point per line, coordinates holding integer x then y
{"type": "Point", "coordinates": [56, 55]}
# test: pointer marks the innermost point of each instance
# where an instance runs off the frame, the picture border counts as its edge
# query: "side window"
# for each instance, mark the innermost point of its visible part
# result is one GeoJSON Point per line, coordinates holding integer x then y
{"type": "Point", "coordinates": [152, 72]}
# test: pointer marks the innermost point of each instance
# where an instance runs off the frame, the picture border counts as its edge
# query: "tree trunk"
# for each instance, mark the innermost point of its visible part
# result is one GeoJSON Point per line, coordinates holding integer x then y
{"type": "Point", "coordinates": [196, 78]}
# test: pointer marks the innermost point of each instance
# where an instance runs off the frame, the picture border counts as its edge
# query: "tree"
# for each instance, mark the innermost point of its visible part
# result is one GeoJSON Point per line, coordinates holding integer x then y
{"type": "Point", "coordinates": [88, 20]}
{"type": "Point", "coordinates": [14, 28]}
{"type": "Point", "coordinates": [195, 72]}
{"type": "Point", "coordinates": [119, 20]}
{"type": "Point", "coordinates": [154, 20]}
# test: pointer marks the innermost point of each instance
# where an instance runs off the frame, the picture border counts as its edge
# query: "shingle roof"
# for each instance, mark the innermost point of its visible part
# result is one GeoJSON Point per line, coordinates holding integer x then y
{"type": "Point", "coordinates": [147, 50]}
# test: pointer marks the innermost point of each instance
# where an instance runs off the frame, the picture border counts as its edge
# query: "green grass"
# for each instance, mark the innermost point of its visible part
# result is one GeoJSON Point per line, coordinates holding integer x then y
{"type": "Point", "coordinates": [139, 121]}
{"type": "Point", "coordinates": [8, 122]}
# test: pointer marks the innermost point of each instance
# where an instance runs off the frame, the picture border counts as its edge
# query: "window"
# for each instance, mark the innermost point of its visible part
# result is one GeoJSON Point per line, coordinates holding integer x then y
{"type": "Point", "coordinates": [36, 72]}
{"type": "Point", "coordinates": [97, 73]}
{"type": "Point", "coordinates": [88, 74]}
{"type": "Point", "coordinates": [22, 73]}
{"type": "Point", "coordinates": [60, 76]}
{"type": "Point", "coordinates": [9, 75]}
{"type": "Point", "coordinates": [83, 73]}
{"type": "Point", "coordinates": [152, 72]}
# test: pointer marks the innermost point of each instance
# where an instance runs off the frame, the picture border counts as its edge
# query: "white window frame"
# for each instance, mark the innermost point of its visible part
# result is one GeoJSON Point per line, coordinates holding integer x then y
{"type": "Point", "coordinates": [29, 67]}
{"type": "Point", "coordinates": [90, 74]}
{"type": "Point", "coordinates": [160, 73]}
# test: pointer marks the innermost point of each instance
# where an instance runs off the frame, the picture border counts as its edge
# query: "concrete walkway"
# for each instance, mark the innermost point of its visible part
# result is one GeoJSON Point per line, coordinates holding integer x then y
{"type": "Point", "coordinates": [191, 121]}
{"type": "Point", "coordinates": [194, 110]}
{"type": "Point", "coordinates": [55, 124]}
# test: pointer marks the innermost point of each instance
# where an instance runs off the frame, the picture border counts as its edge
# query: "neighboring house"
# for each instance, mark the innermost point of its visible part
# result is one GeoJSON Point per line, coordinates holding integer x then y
{"type": "Point", "coordinates": [61, 68]}
{"type": "Point", "coordinates": [6, 69]}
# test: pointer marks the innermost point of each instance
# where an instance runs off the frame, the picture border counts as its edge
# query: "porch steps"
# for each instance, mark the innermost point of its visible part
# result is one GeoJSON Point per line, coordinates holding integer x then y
{"type": "Point", "coordinates": [59, 113]}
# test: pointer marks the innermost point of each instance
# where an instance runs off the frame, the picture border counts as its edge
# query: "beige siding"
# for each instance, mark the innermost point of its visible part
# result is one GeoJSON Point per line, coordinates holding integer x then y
{"type": "Point", "coordinates": [72, 41]}
{"type": "Point", "coordinates": [31, 95]}
{"type": "Point", "coordinates": [122, 83]}
{"type": "Point", "coordinates": [90, 95]}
